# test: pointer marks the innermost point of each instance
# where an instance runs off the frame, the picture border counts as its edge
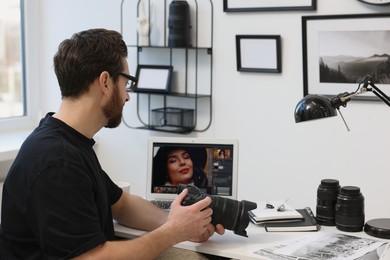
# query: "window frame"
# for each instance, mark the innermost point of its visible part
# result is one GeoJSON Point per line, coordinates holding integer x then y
{"type": "Point", "coordinates": [29, 14]}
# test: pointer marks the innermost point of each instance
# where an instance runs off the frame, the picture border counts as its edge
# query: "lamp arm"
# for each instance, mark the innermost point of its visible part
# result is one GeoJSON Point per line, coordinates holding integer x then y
{"type": "Point", "coordinates": [342, 99]}
{"type": "Point", "coordinates": [349, 96]}
{"type": "Point", "coordinates": [379, 93]}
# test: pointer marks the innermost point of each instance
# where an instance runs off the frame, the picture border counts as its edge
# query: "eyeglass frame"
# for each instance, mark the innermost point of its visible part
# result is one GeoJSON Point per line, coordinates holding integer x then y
{"type": "Point", "coordinates": [133, 80]}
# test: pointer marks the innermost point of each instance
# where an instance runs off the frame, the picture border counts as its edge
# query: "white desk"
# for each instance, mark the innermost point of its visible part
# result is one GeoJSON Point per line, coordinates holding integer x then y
{"type": "Point", "coordinates": [234, 246]}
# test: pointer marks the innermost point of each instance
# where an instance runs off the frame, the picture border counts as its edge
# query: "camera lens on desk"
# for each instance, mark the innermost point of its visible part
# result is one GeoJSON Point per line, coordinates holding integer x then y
{"type": "Point", "coordinates": [327, 193]}
{"type": "Point", "coordinates": [350, 209]}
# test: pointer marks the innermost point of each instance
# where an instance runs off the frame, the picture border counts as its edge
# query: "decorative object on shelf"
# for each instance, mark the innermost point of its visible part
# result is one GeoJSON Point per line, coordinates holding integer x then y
{"type": "Point", "coordinates": [179, 23]}
{"type": "Point", "coordinates": [339, 50]}
{"type": "Point", "coordinates": [258, 53]}
{"type": "Point", "coordinates": [376, 2]}
{"type": "Point", "coordinates": [144, 23]}
{"type": "Point", "coordinates": [261, 5]}
{"type": "Point", "coordinates": [173, 117]}
{"type": "Point", "coordinates": [153, 78]}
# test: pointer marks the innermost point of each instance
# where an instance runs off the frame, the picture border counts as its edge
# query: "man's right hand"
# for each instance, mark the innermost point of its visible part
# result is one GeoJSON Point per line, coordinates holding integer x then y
{"type": "Point", "coordinates": [191, 222]}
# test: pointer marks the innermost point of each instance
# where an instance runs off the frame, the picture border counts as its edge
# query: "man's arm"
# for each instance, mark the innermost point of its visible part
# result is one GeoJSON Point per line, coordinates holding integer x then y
{"type": "Point", "coordinates": [181, 224]}
{"type": "Point", "coordinates": [148, 246]}
{"type": "Point", "coordinates": [135, 212]}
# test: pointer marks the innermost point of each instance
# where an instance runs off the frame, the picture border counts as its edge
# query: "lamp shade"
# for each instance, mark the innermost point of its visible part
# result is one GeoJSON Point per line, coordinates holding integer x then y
{"type": "Point", "coordinates": [313, 107]}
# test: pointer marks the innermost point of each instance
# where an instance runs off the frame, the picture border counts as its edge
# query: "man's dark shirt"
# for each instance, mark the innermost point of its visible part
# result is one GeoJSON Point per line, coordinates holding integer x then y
{"type": "Point", "coordinates": [56, 197]}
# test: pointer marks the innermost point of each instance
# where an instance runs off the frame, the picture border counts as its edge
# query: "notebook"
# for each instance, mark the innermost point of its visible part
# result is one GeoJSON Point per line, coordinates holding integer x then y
{"type": "Point", "coordinates": [263, 213]}
{"type": "Point", "coordinates": [308, 223]}
{"type": "Point", "coordinates": [214, 167]}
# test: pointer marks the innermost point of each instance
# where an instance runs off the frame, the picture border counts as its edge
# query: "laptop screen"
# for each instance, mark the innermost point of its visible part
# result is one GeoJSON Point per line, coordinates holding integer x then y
{"type": "Point", "coordinates": [209, 164]}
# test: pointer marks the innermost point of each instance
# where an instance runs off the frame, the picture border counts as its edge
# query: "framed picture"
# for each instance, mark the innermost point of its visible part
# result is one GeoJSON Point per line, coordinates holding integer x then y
{"type": "Point", "coordinates": [153, 78]}
{"type": "Point", "coordinates": [340, 50]}
{"type": "Point", "coordinates": [258, 53]}
{"type": "Point", "coordinates": [268, 5]}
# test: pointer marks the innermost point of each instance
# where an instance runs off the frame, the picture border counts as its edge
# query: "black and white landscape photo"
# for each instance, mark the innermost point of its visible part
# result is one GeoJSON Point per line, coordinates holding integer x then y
{"type": "Point", "coordinates": [348, 56]}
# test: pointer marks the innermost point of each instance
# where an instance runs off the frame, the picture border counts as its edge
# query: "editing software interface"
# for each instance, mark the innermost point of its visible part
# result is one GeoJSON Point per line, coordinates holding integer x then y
{"type": "Point", "coordinates": [207, 166]}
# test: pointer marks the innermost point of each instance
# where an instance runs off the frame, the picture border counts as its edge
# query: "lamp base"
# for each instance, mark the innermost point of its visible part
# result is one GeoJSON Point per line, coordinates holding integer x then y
{"type": "Point", "coordinates": [379, 227]}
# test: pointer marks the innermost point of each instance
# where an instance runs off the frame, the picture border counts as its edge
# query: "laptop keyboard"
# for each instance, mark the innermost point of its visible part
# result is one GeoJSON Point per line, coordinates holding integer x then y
{"type": "Point", "coordinates": [162, 204]}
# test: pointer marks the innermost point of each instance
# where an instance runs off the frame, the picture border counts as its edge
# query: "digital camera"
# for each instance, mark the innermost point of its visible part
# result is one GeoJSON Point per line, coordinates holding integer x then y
{"type": "Point", "coordinates": [231, 214]}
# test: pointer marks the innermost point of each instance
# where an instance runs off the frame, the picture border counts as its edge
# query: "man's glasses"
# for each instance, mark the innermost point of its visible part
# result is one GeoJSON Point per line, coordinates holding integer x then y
{"type": "Point", "coordinates": [130, 86]}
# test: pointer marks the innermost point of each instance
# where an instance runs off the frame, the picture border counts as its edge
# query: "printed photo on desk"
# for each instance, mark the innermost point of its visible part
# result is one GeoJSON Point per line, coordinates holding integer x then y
{"type": "Point", "coordinates": [330, 246]}
{"type": "Point", "coordinates": [274, 211]}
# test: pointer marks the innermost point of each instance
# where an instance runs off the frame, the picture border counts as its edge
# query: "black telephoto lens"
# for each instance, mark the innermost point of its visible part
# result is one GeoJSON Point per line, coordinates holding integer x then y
{"type": "Point", "coordinates": [350, 209]}
{"type": "Point", "coordinates": [327, 193]}
{"type": "Point", "coordinates": [231, 214]}
{"type": "Point", "coordinates": [179, 23]}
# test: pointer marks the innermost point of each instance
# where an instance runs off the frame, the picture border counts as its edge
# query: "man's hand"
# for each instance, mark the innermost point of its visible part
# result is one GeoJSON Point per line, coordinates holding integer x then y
{"type": "Point", "coordinates": [192, 221]}
{"type": "Point", "coordinates": [210, 231]}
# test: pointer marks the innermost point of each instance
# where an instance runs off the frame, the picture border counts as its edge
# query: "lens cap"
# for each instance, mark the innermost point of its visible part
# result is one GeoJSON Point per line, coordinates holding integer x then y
{"type": "Point", "coordinates": [379, 227]}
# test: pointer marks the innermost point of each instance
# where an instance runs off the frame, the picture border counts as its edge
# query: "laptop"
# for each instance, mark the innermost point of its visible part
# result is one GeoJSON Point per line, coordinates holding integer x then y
{"type": "Point", "coordinates": [213, 170]}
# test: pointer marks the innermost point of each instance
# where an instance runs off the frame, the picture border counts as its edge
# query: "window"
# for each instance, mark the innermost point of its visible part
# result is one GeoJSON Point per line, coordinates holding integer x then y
{"type": "Point", "coordinates": [12, 89]}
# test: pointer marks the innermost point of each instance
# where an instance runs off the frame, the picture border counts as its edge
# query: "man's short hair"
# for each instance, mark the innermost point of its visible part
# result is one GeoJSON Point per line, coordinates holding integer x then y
{"type": "Point", "coordinates": [82, 58]}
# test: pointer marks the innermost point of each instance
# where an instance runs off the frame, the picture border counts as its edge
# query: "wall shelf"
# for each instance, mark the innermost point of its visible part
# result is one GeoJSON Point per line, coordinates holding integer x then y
{"type": "Point", "coordinates": [192, 65]}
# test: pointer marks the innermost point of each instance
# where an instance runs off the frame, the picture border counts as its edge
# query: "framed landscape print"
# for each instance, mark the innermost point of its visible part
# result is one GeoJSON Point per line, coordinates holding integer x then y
{"type": "Point", "coordinates": [340, 50]}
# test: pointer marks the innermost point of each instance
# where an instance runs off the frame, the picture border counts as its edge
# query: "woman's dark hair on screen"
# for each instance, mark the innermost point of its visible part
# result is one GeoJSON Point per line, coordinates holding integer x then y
{"type": "Point", "coordinates": [198, 157]}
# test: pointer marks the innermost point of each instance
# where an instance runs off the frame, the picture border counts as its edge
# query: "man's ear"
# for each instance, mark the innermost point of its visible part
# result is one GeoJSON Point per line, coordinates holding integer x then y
{"type": "Point", "coordinates": [104, 80]}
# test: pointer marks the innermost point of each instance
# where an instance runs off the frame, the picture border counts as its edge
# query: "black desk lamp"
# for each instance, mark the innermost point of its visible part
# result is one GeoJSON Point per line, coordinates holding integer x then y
{"type": "Point", "coordinates": [316, 107]}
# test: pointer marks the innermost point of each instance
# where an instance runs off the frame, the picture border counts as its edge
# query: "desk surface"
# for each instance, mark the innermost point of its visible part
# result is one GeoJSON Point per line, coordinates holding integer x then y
{"type": "Point", "coordinates": [234, 246]}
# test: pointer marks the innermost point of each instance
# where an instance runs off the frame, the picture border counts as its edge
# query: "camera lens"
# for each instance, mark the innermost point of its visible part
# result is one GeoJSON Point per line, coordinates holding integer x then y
{"type": "Point", "coordinates": [350, 209]}
{"type": "Point", "coordinates": [231, 214]}
{"type": "Point", "coordinates": [326, 201]}
{"type": "Point", "coordinates": [179, 24]}
{"type": "Point", "coordinates": [224, 207]}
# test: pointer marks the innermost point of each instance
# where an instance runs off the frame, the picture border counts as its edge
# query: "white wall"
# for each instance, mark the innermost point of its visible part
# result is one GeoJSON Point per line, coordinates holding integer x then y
{"type": "Point", "coordinates": [278, 158]}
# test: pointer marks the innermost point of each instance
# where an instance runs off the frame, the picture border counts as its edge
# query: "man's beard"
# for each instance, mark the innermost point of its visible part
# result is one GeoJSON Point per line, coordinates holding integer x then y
{"type": "Point", "coordinates": [113, 111]}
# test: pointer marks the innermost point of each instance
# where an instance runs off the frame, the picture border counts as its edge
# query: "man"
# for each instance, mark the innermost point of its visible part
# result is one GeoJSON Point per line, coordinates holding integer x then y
{"type": "Point", "coordinates": [58, 203]}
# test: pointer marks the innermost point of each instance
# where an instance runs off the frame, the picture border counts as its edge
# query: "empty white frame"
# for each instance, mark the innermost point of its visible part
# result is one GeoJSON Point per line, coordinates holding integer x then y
{"type": "Point", "coordinates": [153, 78]}
{"type": "Point", "coordinates": [258, 53]}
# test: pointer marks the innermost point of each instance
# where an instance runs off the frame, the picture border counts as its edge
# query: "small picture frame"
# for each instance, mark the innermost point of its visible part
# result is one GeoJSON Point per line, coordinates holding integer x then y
{"type": "Point", "coordinates": [153, 78]}
{"type": "Point", "coordinates": [258, 53]}
{"type": "Point", "coordinates": [268, 5]}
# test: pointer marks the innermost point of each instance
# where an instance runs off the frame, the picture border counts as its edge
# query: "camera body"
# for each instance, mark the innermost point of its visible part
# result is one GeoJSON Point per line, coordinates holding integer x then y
{"type": "Point", "coordinates": [231, 214]}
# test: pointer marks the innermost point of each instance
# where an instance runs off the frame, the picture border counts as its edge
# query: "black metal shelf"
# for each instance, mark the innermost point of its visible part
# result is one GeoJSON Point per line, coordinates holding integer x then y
{"type": "Point", "coordinates": [209, 49]}
{"type": "Point", "coordinates": [189, 57]}
{"type": "Point", "coordinates": [174, 94]}
{"type": "Point", "coordinates": [168, 129]}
